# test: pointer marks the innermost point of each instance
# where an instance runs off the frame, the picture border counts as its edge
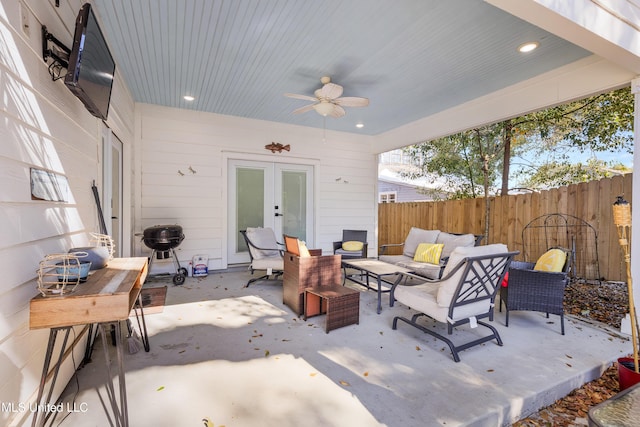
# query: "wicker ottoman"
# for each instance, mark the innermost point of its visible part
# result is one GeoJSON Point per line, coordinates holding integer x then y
{"type": "Point", "coordinates": [340, 304]}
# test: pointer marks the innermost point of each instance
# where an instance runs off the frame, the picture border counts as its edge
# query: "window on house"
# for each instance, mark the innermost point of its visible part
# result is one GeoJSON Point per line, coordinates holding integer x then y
{"type": "Point", "coordinates": [387, 197]}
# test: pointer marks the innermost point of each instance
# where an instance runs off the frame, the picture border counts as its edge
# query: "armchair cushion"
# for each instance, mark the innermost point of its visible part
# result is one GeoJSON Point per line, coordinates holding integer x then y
{"type": "Point", "coordinates": [552, 261]}
{"type": "Point", "coordinates": [352, 246]}
{"type": "Point", "coordinates": [451, 278]}
{"type": "Point", "coordinates": [428, 252]}
{"type": "Point", "coordinates": [265, 239]}
{"type": "Point", "coordinates": [423, 298]}
{"type": "Point", "coordinates": [417, 236]}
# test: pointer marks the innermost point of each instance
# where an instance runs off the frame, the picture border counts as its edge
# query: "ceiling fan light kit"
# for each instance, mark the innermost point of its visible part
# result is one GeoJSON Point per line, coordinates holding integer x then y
{"type": "Point", "coordinates": [328, 100]}
{"type": "Point", "coordinates": [324, 108]}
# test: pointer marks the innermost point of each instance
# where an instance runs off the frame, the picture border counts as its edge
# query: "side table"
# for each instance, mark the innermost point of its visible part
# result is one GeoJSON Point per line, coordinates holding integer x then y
{"type": "Point", "coordinates": [105, 299]}
{"type": "Point", "coordinates": [340, 304]}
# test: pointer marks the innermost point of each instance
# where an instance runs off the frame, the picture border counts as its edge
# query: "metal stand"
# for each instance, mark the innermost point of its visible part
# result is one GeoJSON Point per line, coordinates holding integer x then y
{"type": "Point", "coordinates": [40, 414]}
{"type": "Point", "coordinates": [181, 272]}
{"type": "Point", "coordinates": [118, 403]}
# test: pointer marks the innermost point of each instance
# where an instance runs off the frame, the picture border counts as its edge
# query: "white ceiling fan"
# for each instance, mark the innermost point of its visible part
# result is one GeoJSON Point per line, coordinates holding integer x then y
{"type": "Point", "coordinates": [328, 100]}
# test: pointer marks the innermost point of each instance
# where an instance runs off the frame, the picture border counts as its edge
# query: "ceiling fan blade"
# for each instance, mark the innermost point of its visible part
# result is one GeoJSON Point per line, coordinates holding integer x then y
{"type": "Point", "coordinates": [304, 97]}
{"type": "Point", "coordinates": [352, 101]}
{"type": "Point", "coordinates": [329, 91]}
{"type": "Point", "coordinates": [337, 112]}
{"type": "Point", "coordinates": [304, 109]}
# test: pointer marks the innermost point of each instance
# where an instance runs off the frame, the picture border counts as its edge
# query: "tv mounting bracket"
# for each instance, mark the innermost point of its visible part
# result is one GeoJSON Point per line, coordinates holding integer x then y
{"type": "Point", "coordinates": [56, 51]}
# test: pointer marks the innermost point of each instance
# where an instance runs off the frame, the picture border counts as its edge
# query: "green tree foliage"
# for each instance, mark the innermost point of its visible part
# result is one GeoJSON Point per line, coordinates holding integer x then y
{"type": "Point", "coordinates": [556, 174]}
{"type": "Point", "coordinates": [539, 147]}
{"type": "Point", "coordinates": [461, 161]}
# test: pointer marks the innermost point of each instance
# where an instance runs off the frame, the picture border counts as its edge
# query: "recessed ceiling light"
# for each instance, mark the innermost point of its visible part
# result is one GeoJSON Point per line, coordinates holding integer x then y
{"type": "Point", "coordinates": [528, 47]}
{"type": "Point", "coordinates": [188, 98]}
{"type": "Point", "coordinates": [359, 125]}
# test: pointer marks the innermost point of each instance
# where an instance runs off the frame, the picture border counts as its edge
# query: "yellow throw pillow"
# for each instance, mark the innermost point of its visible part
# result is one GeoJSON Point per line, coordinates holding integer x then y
{"type": "Point", "coordinates": [553, 260]}
{"type": "Point", "coordinates": [352, 246]}
{"type": "Point", "coordinates": [428, 252]}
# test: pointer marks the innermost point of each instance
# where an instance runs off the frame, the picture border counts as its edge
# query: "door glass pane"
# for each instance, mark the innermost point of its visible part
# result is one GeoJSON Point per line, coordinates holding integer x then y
{"type": "Point", "coordinates": [249, 202]}
{"type": "Point", "coordinates": [294, 204]}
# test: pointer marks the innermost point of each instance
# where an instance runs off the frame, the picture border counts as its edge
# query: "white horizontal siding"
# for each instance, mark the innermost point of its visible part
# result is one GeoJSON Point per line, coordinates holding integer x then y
{"type": "Point", "coordinates": [42, 125]}
{"type": "Point", "coordinates": [173, 140]}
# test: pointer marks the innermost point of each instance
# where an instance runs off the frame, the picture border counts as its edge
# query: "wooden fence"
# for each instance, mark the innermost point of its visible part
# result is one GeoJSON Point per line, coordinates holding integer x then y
{"type": "Point", "coordinates": [590, 202]}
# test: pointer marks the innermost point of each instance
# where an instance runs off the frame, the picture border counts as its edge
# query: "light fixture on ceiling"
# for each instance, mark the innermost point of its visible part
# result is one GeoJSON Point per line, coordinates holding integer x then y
{"type": "Point", "coordinates": [323, 108]}
{"type": "Point", "coordinates": [528, 47]}
{"type": "Point", "coordinates": [188, 98]}
{"type": "Point", "coordinates": [359, 125]}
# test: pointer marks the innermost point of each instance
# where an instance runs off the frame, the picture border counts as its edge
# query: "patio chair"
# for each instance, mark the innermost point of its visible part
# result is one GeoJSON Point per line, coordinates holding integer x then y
{"type": "Point", "coordinates": [353, 244]}
{"type": "Point", "coordinates": [465, 294]}
{"type": "Point", "coordinates": [531, 289]}
{"type": "Point", "coordinates": [265, 252]}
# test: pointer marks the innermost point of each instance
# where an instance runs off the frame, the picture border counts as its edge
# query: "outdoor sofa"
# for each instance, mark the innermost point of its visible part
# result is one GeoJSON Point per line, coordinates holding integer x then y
{"type": "Point", "coordinates": [426, 252]}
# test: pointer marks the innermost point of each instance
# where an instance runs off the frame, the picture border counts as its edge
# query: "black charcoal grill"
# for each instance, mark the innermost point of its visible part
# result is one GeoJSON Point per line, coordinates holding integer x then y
{"type": "Point", "coordinates": [162, 240]}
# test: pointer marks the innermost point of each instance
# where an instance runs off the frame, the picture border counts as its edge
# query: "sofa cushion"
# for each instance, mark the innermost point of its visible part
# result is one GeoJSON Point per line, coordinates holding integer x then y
{"type": "Point", "coordinates": [452, 241]}
{"type": "Point", "coordinates": [428, 252]}
{"type": "Point", "coordinates": [448, 287]}
{"type": "Point", "coordinates": [394, 259]}
{"type": "Point", "coordinates": [417, 236]}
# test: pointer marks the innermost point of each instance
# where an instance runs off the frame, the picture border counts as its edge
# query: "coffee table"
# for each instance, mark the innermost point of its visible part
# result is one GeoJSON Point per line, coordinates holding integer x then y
{"type": "Point", "coordinates": [381, 271]}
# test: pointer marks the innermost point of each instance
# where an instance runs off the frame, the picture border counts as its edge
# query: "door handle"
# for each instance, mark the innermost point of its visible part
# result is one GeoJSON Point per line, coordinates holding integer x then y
{"type": "Point", "coordinates": [279, 214]}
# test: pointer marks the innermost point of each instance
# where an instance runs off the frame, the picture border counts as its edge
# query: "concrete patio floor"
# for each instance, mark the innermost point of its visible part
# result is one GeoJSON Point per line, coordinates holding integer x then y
{"type": "Point", "coordinates": [239, 357]}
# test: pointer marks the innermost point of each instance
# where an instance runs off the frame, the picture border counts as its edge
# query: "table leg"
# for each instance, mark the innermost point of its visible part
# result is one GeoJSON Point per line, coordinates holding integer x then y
{"type": "Point", "coordinates": [379, 293]}
{"type": "Point", "coordinates": [120, 410]}
{"type": "Point", "coordinates": [144, 336]}
{"type": "Point", "coordinates": [391, 298]}
{"type": "Point", "coordinates": [53, 334]}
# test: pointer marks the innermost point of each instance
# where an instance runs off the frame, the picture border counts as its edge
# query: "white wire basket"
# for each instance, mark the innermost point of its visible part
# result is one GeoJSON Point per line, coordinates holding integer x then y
{"type": "Point", "coordinates": [59, 274]}
{"type": "Point", "coordinates": [104, 240]}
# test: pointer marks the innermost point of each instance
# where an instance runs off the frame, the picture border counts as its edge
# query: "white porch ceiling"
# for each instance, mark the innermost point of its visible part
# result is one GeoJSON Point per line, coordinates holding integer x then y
{"type": "Point", "coordinates": [411, 58]}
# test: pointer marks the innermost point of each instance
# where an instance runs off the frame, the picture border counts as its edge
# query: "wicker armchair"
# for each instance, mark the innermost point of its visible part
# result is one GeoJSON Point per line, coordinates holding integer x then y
{"type": "Point", "coordinates": [352, 236]}
{"type": "Point", "coordinates": [533, 290]}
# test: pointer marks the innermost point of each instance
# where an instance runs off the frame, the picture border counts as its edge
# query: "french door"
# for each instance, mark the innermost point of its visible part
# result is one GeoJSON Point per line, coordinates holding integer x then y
{"type": "Point", "coordinates": [273, 195]}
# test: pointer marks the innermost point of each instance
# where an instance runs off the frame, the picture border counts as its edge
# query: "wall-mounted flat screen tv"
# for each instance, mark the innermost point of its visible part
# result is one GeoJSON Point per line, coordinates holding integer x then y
{"type": "Point", "coordinates": [91, 66]}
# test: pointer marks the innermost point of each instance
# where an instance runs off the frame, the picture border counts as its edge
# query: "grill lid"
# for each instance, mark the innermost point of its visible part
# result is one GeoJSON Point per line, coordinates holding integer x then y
{"type": "Point", "coordinates": [163, 237]}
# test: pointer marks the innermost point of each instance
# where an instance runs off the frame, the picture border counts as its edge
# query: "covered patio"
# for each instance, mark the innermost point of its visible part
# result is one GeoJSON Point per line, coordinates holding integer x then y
{"type": "Point", "coordinates": [239, 357]}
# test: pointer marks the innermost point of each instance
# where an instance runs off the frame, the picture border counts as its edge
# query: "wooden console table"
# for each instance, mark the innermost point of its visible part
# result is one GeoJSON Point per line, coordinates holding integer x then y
{"type": "Point", "coordinates": [106, 298]}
